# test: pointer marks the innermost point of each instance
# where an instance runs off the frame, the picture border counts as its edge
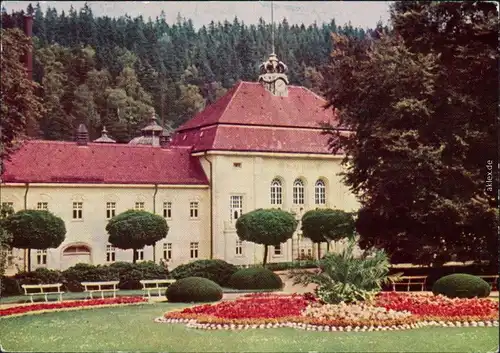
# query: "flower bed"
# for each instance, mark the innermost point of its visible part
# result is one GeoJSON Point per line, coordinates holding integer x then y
{"type": "Point", "coordinates": [390, 311]}
{"type": "Point", "coordinates": [70, 305]}
{"type": "Point", "coordinates": [439, 307]}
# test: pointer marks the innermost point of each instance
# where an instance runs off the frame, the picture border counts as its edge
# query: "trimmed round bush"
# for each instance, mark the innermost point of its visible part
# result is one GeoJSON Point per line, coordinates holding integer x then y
{"type": "Point", "coordinates": [193, 290]}
{"type": "Point", "coordinates": [461, 285]}
{"type": "Point", "coordinates": [255, 278]}
{"type": "Point", "coordinates": [218, 271]}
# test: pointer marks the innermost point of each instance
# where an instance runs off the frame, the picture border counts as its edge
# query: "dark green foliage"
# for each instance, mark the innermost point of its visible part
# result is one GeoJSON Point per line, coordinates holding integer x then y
{"type": "Point", "coordinates": [255, 278]}
{"type": "Point", "coordinates": [461, 285]}
{"type": "Point", "coordinates": [267, 227]}
{"type": "Point", "coordinates": [127, 273]}
{"type": "Point", "coordinates": [218, 271]}
{"type": "Point", "coordinates": [135, 229]}
{"type": "Point", "coordinates": [324, 225]}
{"type": "Point", "coordinates": [9, 286]}
{"type": "Point", "coordinates": [12, 285]}
{"type": "Point", "coordinates": [422, 102]}
{"type": "Point", "coordinates": [222, 53]}
{"type": "Point", "coordinates": [193, 290]}
{"type": "Point", "coordinates": [88, 273]}
{"type": "Point", "coordinates": [34, 229]}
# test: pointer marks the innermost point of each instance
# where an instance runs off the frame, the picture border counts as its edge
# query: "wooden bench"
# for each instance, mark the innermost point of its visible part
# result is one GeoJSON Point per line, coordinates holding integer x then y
{"type": "Point", "coordinates": [43, 289]}
{"type": "Point", "coordinates": [159, 285]}
{"type": "Point", "coordinates": [492, 281]}
{"type": "Point", "coordinates": [91, 287]}
{"type": "Point", "coordinates": [410, 281]}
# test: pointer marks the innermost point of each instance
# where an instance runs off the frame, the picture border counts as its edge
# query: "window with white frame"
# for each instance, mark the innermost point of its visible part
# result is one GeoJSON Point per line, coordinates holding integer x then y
{"type": "Point", "coordinates": [278, 250]}
{"type": "Point", "coordinates": [110, 253]}
{"type": "Point", "coordinates": [77, 210]}
{"type": "Point", "coordinates": [235, 207]}
{"type": "Point", "coordinates": [276, 193]}
{"type": "Point", "coordinates": [42, 206]}
{"type": "Point", "coordinates": [110, 210]}
{"type": "Point", "coordinates": [41, 257]}
{"type": "Point", "coordinates": [167, 251]}
{"type": "Point", "coordinates": [193, 209]}
{"type": "Point", "coordinates": [309, 252]}
{"type": "Point", "coordinates": [167, 210]}
{"type": "Point", "coordinates": [139, 206]}
{"type": "Point", "coordinates": [140, 254]}
{"type": "Point", "coordinates": [320, 193]}
{"type": "Point", "coordinates": [239, 247]}
{"type": "Point", "coordinates": [298, 192]}
{"type": "Point", "coordinates": [193, 247]}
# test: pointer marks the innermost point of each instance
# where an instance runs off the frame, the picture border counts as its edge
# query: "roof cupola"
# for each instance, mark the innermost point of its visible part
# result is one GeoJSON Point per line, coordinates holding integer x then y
{"type": "Point", "coordinates": [273, 76]}
{"type": "Point", "coordinates": [104, 137]}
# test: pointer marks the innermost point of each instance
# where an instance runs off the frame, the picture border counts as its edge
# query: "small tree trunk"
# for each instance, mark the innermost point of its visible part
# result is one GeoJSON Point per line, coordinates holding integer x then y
{"type": "Point", "coordinates": [265, 256]}
{"type": "Point", "coordinates": [327, 246]}
{"type": "Point", "coordinates": [29, 259]}
{"type": "Point", "coordinates": [319, 251]}
{"type": "Point", "coordinates": [154, 252]}
{"type": "Point", "coordinates": [134, 256]}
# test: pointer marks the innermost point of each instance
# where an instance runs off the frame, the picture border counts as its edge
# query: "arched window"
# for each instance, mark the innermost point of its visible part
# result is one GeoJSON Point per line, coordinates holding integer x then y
{"type": "Point", "coordinates": [298, 192]}
{"type": "Point", "coordinates": [76, 249]}
{"type": "Point", "coordinates": [276, 192]}
{"type": "Point", "coordinates": [320, 193]}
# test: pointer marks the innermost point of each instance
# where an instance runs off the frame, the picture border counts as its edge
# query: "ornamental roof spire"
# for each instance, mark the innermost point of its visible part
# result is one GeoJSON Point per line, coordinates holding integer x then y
{"type": "Point", "coordinates": [272, 72]}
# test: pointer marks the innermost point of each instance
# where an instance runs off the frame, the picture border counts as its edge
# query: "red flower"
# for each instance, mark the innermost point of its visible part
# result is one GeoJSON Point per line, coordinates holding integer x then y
{"type": "Point", "coordinates": [73, 304]}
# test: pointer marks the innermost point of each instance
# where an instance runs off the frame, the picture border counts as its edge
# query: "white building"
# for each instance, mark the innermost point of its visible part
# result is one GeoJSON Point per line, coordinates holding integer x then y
{"type": "Point", "coordinates": [259, 146]}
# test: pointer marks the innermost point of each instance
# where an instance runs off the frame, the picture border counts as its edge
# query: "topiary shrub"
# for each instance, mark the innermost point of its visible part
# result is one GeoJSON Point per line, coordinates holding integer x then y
{"type": "Point", "coordinates": [218, 271]}
{"type": "Point", "coordinates": [255, 278]}
{"type": "Point", "coordinates": [461, 285]}
{"type": "Point", "coordinates": [192, 290]}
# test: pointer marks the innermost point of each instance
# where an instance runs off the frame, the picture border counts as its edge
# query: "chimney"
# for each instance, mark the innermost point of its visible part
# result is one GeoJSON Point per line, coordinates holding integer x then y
{"type": "Point", "coordinates": [82, 135]}
{"type": "Point", "coordinates": [28, 30]}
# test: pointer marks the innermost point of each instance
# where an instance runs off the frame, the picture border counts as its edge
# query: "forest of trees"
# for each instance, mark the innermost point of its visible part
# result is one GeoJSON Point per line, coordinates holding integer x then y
{"type": "Point", "coordinates": [113, 71]}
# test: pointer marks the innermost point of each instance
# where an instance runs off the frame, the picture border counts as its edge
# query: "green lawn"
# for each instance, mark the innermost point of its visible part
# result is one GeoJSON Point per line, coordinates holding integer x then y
{"type": "Point", "coordinates": [132, 329]}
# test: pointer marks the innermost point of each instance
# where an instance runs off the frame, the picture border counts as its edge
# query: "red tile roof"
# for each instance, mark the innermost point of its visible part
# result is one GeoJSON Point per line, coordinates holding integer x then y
{"type": "Point", "coordinates": [249, 103]}
{"type": "Point", "coordinates": [249, 118]}
{"type": "Point", "coordinates": [66, 162]}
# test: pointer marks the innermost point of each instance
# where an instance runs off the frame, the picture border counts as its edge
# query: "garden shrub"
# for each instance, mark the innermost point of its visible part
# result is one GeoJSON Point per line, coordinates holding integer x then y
{"type": "Point", "coordinates": [128, 274]}
{"type": "Point", "coordinates": [192, 290]}
{"type": "Point", "coordinates": [255, 278]}
{"type": "Point", "coordinates": [87, 273]}
{"type": "Point", "coordinates": [12, 285]}
{"type": "Point", "coordinates": [218, 271]}
{"type": "Point", "coordinates": [461, 285]}
{"type": "Point", "coordinates": [9, 286]}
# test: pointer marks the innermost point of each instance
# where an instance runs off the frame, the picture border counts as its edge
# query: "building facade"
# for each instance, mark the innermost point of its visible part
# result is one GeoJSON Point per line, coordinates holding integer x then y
{"type": "Point", "coordinates": [259, 146]}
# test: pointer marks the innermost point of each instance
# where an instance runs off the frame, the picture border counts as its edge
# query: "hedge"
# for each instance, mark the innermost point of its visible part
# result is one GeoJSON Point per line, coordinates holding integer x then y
{"type": "Point", "coordinates": [127, 273]}
{"type": "Point", "coordinates": [218, 271]}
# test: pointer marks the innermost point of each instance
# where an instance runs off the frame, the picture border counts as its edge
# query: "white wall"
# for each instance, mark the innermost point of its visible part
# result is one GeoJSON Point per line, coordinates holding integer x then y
{"type": "Point", "coordinates": [253, 180]}
{"type": "Point", "coordinates": [91, 231]}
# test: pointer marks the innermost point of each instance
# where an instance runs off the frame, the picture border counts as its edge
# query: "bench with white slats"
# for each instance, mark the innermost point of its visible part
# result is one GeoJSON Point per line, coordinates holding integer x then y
{"type": "Point", "coordinates": [43, 290]}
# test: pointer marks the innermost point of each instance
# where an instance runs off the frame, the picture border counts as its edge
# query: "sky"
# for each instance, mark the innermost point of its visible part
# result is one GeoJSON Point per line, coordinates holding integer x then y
{"type": "Point", "coordinates": [364, 14]}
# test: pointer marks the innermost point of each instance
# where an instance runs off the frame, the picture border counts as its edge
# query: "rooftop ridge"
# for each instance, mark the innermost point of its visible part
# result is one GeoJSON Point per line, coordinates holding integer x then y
{"type": "Point", "coordinates": [102, 145]}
